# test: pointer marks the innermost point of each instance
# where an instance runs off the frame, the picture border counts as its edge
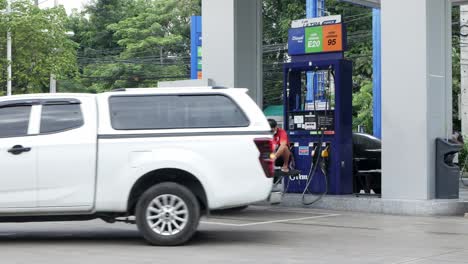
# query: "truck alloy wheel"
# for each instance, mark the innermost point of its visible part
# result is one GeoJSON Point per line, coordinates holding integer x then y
{"type": "Point", "coordinates": [168, 214]}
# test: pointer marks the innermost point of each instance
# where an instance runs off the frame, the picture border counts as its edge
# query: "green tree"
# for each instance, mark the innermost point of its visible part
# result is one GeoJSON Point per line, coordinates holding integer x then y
{"type": "Point", "coordinates": [101, 13]}
{"type": "Point", "coordinates": [277, 18]}
{"type": "Point", "coordinates": [145, 42]}
{"type": "Point", "coordinates": [159, 24]}
{"type": "Point", "coordinates": [363, 107]}
{"type": "Point", "coordinates": [40, 46]}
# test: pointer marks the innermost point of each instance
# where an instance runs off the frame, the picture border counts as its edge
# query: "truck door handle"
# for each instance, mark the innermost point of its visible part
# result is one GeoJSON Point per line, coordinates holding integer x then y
{"type": "Point", "coordinates": [18, 149]}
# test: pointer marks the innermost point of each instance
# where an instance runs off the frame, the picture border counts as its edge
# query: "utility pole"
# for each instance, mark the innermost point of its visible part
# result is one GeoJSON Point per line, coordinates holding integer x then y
{"type": "Point", "coordinates": [9, 57]}
{"type": "Point", "coordinates": [464, 68]}
{"type": "Point", "coordinates": [53, 81]}
{"type": "Point", "coordinates": [161, 59]}
{"type": "Point", "coordinates": [36, 2]}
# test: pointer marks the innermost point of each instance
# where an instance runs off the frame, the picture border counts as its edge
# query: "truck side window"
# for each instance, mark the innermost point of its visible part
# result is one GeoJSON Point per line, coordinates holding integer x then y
{"type": "Point", "coordinates": [60, 117]}
{"type": "Point", "coordinates": [14, 121]}
{"type": "Point", "coordinates": [175, 112]}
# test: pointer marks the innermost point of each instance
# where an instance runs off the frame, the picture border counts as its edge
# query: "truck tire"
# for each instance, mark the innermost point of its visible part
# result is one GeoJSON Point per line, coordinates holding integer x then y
{"type": "Point", "coordinates": [167, 214]}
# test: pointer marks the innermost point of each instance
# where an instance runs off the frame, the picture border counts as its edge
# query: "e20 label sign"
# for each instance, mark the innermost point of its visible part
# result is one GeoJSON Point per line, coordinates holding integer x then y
{"type": "Point", "coordinates": [314, 38]}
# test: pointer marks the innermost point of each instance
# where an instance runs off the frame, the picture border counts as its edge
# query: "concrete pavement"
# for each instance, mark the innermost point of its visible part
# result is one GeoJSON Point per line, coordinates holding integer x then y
{"type": "Point", "coordinates": [257, 235]}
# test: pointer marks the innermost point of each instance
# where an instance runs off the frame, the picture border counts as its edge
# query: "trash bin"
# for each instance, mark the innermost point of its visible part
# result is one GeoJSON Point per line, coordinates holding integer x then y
{"type": "Point", "coordinates": [447, 173]}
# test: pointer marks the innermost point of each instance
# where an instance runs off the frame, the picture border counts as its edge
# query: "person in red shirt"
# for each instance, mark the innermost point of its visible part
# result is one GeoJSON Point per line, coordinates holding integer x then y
{"type": "Point", "coordinates": [281, 141]}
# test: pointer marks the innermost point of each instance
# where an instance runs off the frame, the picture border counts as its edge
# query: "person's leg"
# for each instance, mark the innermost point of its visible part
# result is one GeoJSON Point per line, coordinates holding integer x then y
{"type": "Point", "coordinates": [278, 163]}
{"type": "Point", "coordinates": [283, 160]}
{"type": "Point", "coordinates": [286, 156]}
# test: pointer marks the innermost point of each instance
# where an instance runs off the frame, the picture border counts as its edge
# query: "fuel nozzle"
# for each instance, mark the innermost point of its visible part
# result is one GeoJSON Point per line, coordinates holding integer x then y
{"type": "Point", "coordinates": [315, 153]}
{"type": "Point", "coordinates": [324, 164]}
{"type": "Point", "coordinates": [314, 150]}
{"type": "Point", "coordinates": [326, 152]}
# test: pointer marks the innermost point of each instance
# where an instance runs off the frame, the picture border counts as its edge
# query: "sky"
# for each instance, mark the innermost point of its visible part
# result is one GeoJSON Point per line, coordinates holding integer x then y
{"type": "Point", "coordinates": [68, 4]}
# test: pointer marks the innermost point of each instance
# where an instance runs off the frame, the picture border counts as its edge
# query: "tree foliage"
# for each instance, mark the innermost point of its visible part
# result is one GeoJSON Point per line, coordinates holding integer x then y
{"type": "Point", "coordinates": [133, 43]}
{"type": "Point", "coordinates": [277, 18]}
{"type": "Point", "coordinates": [96, 18]}
{"type": "Point", "coordinates": [363, 107]}
{"type": "Point", "coordinates": [40, 46]}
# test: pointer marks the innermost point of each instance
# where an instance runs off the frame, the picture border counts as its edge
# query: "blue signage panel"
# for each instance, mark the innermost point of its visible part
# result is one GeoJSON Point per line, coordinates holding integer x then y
{"type": "Point", "coordinates": [199, 39]}
{"type": "Point", "coordinates": [296, 45]}
{"type": "Point", "coordinates": [196, 50]}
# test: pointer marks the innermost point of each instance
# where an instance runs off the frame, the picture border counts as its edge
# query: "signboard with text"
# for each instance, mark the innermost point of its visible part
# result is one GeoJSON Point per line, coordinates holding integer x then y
{"type": "Point", "coordinates": [316, 39]}
{"type": "Point", "coordinates": [316, 21]}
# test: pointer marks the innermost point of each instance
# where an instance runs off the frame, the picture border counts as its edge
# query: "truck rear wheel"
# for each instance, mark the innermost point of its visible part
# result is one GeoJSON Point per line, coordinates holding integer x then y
{"type": "Point", "coordinates": [168, 214]}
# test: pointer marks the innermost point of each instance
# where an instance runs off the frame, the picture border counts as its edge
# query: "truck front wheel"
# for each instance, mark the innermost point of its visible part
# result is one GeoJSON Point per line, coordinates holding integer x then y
{"type": "Point", "coordinates": [168, 214]}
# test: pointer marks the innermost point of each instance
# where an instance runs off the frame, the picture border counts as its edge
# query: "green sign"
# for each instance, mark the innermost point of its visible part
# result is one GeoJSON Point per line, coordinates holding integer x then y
{"type": "Point", "coordinates": [199, 61]}
{"type": "Point", "coordinates": [199, 51]}
{"type": "Point", "coordinates": [313, 39]}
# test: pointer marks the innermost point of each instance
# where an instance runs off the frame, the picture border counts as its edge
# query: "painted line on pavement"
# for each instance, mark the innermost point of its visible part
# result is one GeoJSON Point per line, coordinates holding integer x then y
{"type": "Point", "coordinates": [270, 222]}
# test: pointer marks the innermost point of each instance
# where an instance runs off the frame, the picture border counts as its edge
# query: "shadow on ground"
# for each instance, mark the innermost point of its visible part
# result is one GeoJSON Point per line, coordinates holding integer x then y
{"type": "Point", "coordinates": [131, 237]}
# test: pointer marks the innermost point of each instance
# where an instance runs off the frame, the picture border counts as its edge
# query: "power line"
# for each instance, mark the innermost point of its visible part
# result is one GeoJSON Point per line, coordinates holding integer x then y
{"type": "Point", "coordinates": [140, 78]}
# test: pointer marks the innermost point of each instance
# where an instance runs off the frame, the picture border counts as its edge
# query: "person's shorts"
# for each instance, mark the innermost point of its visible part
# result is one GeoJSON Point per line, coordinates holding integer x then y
{"type": "Point", "coordinates": [279, 162]}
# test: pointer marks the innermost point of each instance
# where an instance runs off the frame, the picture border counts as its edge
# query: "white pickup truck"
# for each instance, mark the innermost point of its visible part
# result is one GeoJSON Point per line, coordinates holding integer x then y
{"type": "Point", "coordinates": [158, 157]}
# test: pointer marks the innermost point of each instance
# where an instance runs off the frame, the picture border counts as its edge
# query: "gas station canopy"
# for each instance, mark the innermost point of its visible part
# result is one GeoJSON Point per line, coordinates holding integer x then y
{"type": "Point", "coordinates": [376, 3]}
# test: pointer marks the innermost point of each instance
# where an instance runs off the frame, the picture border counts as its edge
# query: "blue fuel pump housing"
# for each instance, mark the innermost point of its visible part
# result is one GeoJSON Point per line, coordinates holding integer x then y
{"type": "Point", "coordinates": [323, 124]}
{"type": "Point", "coordinates": [333, 130]}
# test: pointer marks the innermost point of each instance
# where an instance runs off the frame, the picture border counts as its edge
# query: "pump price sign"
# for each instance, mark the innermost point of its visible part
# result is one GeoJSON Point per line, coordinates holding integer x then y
{"type": "Point", "coordinates": [317, 39]}
{"type": "Point", "coordinates": [314, 39]}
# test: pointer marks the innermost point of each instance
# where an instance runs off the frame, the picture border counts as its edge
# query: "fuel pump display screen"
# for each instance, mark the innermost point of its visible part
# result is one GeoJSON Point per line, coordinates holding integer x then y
{"type": "Point", "coordinates": [307, 121]}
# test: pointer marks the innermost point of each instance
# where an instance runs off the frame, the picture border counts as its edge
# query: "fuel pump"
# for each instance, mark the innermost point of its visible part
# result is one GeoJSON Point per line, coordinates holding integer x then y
{"type": "Point", "coordinates": [318, 119]}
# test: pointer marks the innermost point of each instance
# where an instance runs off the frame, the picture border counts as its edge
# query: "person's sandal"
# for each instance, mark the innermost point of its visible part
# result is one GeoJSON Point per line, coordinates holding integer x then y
{"type": "Point", "coordinates": [294, 172]}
